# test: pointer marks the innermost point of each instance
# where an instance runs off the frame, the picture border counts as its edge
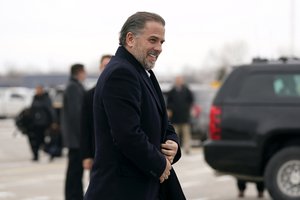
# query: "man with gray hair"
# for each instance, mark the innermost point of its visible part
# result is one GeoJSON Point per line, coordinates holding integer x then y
{"type": "Point", "coordinates": [135, 143]}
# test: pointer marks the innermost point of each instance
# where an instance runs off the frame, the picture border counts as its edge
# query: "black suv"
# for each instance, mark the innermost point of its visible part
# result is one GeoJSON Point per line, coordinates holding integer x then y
{"type": "Point", "coordinates": [254, 131]}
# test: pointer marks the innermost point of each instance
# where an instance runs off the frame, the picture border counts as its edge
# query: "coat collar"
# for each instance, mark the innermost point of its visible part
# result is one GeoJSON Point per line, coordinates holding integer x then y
{"type": "Point", "coordinates": [75, 81]}
{"type": "Point", "coordinates": [123, 53]}
{"type": "Point", "coordinates": [156, 92]}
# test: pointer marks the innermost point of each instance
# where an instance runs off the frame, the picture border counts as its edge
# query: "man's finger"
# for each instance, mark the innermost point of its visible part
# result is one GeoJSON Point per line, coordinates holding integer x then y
{"type": "Point", "coordinates": [166, 146]}
{"type": "Point", "coordinates": [167, 152]}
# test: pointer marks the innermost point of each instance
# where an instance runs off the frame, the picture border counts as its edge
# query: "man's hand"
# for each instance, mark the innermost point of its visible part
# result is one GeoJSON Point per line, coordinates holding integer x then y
{"type": "Point", "coordinates": [87, 163]}
{"type": "Point", "coordinates": [169, 113]}
{"type": "Point", "coordinates": [169, 149]}
{"type": "Point", "coordinates": [166, 173]}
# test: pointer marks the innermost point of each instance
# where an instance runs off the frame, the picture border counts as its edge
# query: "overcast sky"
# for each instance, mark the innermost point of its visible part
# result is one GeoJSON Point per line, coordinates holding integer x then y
{"type": "Point", "coordinates": [50, 35]}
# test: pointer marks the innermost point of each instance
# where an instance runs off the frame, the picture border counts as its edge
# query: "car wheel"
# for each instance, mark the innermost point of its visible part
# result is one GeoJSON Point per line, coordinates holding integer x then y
{"type": "Point", "coordinates": [282, 174]}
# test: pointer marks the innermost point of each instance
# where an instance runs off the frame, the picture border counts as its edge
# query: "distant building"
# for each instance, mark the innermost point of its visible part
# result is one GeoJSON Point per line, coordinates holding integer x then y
{"type": "Point", "coordinates": [30, 81]}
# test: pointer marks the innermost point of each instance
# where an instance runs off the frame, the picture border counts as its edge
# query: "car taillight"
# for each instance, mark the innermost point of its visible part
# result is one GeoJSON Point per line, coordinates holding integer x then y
{"type": "Point", "coordinates": [215, 123]}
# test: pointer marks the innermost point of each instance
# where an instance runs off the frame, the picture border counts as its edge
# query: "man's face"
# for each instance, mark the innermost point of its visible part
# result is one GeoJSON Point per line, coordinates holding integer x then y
{"type": "Point", "coordinates": [147, 45]}
{"type": "Point", "coordinates": [179, 81]}
{"type": "Point", "coordinates": [103, 64]}
{"type": "Point", "coordinates": [81, 75]}
{"type": "Point", "coordinates": [39, 90]}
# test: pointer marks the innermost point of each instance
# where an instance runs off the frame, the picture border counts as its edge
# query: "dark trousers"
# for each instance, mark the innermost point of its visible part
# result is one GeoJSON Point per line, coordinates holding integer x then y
{"type": "Point", "coordinates": [36, 140]}
{"type": "Point", "coordinates": [74, 185]}
{"type": "Point", "coordinates": [242, 185]}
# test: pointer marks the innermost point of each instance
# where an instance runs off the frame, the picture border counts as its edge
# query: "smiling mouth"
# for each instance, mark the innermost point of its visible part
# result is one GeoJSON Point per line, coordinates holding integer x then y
{"type": "Point", "coordinates": [153, 54]}
{"type": "Point", "coordinates": [152, 57]}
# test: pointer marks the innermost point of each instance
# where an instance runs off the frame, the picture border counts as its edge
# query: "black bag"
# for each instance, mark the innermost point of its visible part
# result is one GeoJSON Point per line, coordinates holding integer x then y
{"type": "Point", "coordinates": [23, 121]}
{"type": "Point", "coordinates": [171, 189]}
{"type": "Point", "coordinates": [40, 116]}
{"type": "Point", "coordinates": [53, 142]}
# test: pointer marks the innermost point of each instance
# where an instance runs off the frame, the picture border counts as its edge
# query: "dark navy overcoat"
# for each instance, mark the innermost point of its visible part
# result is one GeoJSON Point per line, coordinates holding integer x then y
{"type": "Point", "coordinates": [130, 125]}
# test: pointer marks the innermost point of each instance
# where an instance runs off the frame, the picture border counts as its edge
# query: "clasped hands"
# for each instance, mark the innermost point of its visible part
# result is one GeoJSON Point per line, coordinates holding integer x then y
{"type": "Point", "coordinates": [169, 149]}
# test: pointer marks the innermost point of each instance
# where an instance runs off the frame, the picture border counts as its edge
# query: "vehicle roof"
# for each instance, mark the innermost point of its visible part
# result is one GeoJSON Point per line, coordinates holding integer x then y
{"type": "Point", "coordinates": [270, 67]}
{"type": "Point", "coordinates": [234, 80]}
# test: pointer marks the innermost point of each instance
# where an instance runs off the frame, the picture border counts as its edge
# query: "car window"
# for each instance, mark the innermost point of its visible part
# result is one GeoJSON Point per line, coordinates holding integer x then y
{"type": "Point", "coordinates": [16, 96]}
{"type": "Point", "coordinates": [270, 87]}
{"type": "Point", "coordinates": [287, 85]}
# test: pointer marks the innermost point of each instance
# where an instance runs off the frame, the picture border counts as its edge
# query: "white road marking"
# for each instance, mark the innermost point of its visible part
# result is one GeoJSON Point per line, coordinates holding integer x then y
{"type": "Point", "coordinates": [190, 184]}
{"type": "Point", "coordinates": [6, 195]}
{"type": "Point", "coordinates": [224, 178]}
{"type": "Point", "coordinates": [38, 198]}
{"type": "Point", "coordinates": [33, 181]}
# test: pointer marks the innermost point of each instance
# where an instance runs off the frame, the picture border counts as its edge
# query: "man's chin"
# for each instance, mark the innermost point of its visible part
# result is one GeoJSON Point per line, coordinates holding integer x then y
{"type": "Point", "coordinates": [150, 65]}
{"type": "Point", "coordinates": [147, 67]}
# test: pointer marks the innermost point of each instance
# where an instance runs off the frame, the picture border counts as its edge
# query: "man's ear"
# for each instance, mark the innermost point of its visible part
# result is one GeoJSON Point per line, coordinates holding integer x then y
{"type": "Point", "coordinates": [130, 39]}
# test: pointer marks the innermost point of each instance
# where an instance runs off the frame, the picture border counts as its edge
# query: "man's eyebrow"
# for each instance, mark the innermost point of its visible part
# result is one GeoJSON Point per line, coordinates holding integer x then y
{"type": "Point", "coordinates": [156, 37]}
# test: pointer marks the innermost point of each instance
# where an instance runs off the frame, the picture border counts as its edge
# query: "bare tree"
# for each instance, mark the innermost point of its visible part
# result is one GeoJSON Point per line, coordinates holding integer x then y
{"type": "Point", "coordinates": [229, 55]}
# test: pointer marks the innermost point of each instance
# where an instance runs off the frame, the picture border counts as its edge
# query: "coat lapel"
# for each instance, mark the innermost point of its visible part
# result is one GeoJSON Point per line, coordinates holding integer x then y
{"type": "Point", "coordinates": [150, 86]}
{"type": "Point", "coordinates": [158, 90]}
{"type": "Point", "coordinates": [162, 101]}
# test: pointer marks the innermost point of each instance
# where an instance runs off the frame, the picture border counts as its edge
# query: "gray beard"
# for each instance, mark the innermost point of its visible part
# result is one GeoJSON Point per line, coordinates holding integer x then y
{"type": "Point", "coordinates": [146, 67]}
{"type": "Point", "coordinates": [144, 64]}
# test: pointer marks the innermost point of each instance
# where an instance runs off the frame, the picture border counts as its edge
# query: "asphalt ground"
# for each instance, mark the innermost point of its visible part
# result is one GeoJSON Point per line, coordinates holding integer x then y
{"type": "Point", "coordinates": [22, 179]}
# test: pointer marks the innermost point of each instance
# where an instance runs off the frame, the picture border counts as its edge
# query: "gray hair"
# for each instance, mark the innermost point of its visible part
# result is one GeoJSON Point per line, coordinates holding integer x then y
{"type": "Point", "coordinates": [136, 22]}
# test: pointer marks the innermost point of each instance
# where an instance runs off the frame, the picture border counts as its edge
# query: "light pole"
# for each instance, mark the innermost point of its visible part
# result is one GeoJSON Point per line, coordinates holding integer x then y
{"type": "Point", "coordinates": [292, 39]}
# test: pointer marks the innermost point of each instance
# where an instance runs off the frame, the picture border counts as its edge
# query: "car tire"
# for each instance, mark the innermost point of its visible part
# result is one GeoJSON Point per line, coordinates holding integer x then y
{"type": "Point", "coordinates": [282, 174]}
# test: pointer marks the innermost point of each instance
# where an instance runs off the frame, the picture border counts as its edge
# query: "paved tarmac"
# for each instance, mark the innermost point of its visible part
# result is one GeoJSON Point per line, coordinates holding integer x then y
{"type": "Point", "coordinates": [21, 179]}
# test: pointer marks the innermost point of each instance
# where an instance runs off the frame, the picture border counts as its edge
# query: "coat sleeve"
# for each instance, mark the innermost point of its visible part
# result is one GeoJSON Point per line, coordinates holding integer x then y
{"type": "Point", "coordinates": [170, 100]}
{"type": "Point", "coordinates": [122, 100]}
{"type": "Point", "coordinates": [72, 111]}
{"type": "Point", "coordinates": [74, 98]}
{"type": "Point", "coordinates": [87, 128]}
{"type": "Point", "coordinates": [171, 135]}
{"type": "Point", "coordinates": [190, 97]}
{"type": "Point", "coordinates": [51, 110]}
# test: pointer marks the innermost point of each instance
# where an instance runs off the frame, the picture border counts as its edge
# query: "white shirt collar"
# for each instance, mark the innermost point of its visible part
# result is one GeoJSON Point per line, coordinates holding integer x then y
{"type": "Point", "coordinates": [148, 73]}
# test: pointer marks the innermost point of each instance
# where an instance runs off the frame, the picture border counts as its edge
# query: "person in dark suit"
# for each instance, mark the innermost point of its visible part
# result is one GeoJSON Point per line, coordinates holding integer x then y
{"type": "Point", "coordinates": [135, 143]}
{"type": "Point", "coordinates": [71, 121]}
{"type": "Point", "coordinates": [180, 100]}
{"type": "Point", "coordinates": [87, 144]}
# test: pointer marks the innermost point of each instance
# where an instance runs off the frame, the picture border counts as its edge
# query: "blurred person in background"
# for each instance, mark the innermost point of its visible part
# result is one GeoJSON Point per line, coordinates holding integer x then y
{"type": "Point", "coordinates": [53, 140]}
{"type": "Point", "coordinates": [260, 186]}
{"type": "Point", "coordinates": [71, 128]}
{"type": "Point", "coordinates": [87, 134]}
{"type": "Point", "coordinates": [179, 102]}
{"type": "Point", "coordinates": [43, 116]}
